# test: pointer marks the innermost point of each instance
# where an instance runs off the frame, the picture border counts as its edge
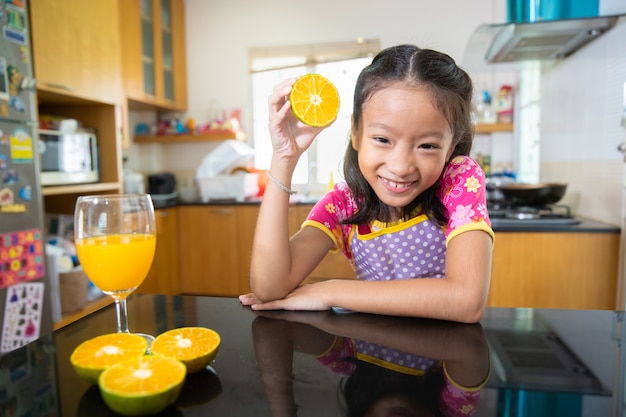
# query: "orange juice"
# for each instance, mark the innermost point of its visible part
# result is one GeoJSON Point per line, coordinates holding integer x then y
{"type": "Point", "coordinates": [118, 262]}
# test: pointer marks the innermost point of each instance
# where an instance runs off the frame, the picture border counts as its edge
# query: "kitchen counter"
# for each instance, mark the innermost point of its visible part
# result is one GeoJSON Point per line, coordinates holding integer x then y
{"type": "Point", "coordinates": [533, 362]}
{"type": "Point", "coordinates": [585, 225]}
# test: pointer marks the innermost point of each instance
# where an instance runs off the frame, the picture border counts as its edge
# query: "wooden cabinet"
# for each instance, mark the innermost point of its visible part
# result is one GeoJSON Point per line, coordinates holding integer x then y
{"type": "Point", "coordinates": [77, 65]}
{"type": "Point", "coordinates": [215, 244]}
{"type": "Point", "coordinates": [164, 277]}
{"type": "Point", "coordinates": [153, 54]}
{"type": "Point", "coordinates": [554, 270]}
{"type": "Point", "coordinates": [76, 46]}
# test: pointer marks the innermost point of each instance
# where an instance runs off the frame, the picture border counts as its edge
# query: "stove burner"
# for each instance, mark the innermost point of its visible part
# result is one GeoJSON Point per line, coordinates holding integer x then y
{"type": "Point", "coordinates": [510, 211]}
{"type": "Point", "coordinates": [521, 215]}
{"type": "Point", "coordinates": [509, 215]}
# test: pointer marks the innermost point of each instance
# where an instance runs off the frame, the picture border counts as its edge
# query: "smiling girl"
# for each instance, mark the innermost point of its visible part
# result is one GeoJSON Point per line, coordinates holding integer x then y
{"type": "Point", "coordinates": [411, 216]}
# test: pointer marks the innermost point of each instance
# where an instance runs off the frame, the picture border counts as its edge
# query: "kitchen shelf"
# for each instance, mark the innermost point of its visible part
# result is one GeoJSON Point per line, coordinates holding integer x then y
{"type": "Point", "coordinates": [200, 137]}
{"type": "Point", "coordinates": [493, 127]}
{"type": "Point", "coordinates": [96, 304]}
{"type": "Point", "coordinates": [81, 188]}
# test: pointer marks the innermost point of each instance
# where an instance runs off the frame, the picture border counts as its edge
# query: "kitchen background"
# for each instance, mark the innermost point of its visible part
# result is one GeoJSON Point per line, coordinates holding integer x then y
{"type": "Point", "coordinates": [579, 100]}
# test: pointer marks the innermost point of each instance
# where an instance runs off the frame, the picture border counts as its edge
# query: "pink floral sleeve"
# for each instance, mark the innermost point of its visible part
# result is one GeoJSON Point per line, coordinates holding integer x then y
{"type": "Point", "coordinates": [457, 401]}
{"type": "Point", "coordinates": [326, 215]}
{"type": "Point", "coordinates": [463, 193]}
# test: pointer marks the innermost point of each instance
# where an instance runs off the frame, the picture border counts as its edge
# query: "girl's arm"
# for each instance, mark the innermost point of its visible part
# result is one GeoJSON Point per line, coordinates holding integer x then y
{"type": "Point", "coordinates": [274, 344]}
{"type": "Point", "coordinates": [459, 296]}
{"type": "Point", "coordinates": [278, 265]}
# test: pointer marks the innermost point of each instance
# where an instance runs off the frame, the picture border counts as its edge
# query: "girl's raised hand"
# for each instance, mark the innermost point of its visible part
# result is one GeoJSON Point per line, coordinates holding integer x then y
{"type": "Point", "coordinates": [290, 137]}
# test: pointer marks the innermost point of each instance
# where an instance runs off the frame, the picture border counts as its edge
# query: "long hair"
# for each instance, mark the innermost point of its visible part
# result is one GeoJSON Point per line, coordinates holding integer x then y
{"type": "Point", "coordinates": [451, 90]}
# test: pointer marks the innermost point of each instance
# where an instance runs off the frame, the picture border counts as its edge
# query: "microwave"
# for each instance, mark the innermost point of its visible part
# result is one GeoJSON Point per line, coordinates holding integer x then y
{"type": "Point", "coordinates": [68, 158]}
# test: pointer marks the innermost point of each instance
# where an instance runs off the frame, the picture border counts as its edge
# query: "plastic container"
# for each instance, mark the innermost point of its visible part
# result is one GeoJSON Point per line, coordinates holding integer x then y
{"type": "Point", "coordinates": [228, 155]}
{"type": "Point", "coordinates": [228, 187]}
{"type": "Point", "coordinates": [73, 286]}
{"type": "Point", "coordinates": [505, 104]}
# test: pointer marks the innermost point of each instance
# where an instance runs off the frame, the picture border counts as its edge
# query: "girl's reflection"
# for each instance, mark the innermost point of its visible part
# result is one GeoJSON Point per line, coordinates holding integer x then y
{"type": "Point", "coordinates": [392, 366]}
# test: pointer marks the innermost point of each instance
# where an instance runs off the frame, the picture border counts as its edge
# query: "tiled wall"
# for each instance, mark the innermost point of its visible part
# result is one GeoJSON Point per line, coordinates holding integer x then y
{"type": "Point", "coordinates": [581, 109]}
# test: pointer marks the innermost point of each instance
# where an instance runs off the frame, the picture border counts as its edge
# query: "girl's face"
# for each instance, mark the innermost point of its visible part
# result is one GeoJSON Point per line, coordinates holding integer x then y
{"type": "Point", "coordinates": [403, 143]}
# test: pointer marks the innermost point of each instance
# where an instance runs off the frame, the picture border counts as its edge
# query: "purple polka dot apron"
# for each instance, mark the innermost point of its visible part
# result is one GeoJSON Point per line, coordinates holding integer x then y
{"type": "Point", "coordinates": [412, 249]}
{"type": "Point", "coordinates": [407, 363]}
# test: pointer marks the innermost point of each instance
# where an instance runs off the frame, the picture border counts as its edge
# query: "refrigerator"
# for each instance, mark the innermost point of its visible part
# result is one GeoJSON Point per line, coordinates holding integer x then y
{"type": "Point", "coordinates": [27, 354]}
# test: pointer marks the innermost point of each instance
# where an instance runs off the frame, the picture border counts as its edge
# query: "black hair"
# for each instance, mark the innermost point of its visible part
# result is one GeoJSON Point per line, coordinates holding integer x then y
{"type": "Point", "coordinates": [370, 383]}
{"type": "Point", "coordinates": [451, 89]}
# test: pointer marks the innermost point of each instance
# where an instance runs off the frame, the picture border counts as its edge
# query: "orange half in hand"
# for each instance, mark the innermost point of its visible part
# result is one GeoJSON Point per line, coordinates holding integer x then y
{"type": "Point", "coordinates": [314, 100]}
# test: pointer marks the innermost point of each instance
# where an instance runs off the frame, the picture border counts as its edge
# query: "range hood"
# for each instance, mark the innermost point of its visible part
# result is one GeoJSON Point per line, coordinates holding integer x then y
{"type": "Point", "coordinates": [541, 40]}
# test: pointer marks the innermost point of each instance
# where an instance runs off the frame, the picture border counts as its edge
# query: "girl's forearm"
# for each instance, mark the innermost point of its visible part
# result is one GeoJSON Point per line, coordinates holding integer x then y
{"type": "Point", "coordinates": [271, 254]}
{"type": "Point", "coordinates": [439, 298]}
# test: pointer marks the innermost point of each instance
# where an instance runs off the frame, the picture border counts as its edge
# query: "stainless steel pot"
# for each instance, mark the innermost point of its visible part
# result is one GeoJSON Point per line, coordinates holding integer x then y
{"type": "Point", "coordinates": [541, 194]}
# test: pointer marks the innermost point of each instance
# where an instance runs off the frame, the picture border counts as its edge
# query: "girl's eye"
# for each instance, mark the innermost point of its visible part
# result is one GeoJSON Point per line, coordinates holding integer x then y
{"type": "Point", "coordinates": [428, 146]}
{"type": "Point", "coordinates": [381, 139]}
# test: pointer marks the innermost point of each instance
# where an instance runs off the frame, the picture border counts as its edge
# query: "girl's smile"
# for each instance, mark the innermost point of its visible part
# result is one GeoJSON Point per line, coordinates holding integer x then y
{"type": "Point", "coordinates": [404, 142]}
{"type": "Point", "coordinates": [396, 187]}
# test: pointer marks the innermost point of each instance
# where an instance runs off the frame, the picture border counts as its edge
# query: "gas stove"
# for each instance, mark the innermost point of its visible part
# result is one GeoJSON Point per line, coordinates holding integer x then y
{"type": "Point", "coordinates": [504, 214]}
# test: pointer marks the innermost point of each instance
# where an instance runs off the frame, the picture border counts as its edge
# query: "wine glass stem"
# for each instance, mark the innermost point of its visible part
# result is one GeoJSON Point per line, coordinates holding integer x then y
{"type": "Point", "coordinates": [122, 316]}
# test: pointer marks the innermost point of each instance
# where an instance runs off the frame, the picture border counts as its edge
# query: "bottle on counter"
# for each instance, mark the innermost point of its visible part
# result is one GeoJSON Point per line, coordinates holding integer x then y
{"type": "Point", "coordinates": [505, 104]}
{"type": "Point", "coordinates": [483, 111]}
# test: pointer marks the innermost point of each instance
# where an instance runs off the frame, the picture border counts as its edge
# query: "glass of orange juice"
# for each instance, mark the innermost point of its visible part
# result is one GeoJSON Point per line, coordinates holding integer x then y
{"type": "Point", "coordinates": [115, 237]}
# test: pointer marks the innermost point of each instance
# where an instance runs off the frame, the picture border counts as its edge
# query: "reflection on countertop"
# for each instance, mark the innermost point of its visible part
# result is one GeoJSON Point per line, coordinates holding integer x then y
{"type": "Point", "coordinates": [544, 362]}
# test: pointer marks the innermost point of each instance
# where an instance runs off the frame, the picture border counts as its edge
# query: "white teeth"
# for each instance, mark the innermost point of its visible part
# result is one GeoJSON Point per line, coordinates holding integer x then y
{"type": "Point", "coordinates": [396, 184]}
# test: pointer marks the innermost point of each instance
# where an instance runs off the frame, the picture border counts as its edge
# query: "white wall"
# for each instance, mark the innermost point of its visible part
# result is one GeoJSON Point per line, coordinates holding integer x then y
{"type": "Point", "coordinates": [219, 33]}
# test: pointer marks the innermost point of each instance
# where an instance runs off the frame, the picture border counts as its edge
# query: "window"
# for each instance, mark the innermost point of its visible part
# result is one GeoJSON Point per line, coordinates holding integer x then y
{"type": "Point", "coordinates": [341, 63]}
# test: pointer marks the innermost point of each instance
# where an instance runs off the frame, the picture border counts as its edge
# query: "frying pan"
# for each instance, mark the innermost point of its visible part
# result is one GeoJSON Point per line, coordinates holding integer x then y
{"type": "Point", "coordinates": [540, 194]}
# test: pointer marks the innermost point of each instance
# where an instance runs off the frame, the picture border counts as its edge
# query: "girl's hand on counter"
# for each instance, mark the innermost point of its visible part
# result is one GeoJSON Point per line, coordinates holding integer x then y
{"type": "Point", "coordinates": [248, 299]}
{"type": "Point", "coordinates": [303, 298]}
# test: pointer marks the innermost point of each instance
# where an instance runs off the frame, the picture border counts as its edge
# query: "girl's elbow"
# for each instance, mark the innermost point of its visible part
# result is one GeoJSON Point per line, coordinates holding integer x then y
{"type": "Point", "coordinates": [265, 291]}
{"type": "Point", "coordinates": [474, 314]}
{"type": "Point", "coordinates": [472, 310]}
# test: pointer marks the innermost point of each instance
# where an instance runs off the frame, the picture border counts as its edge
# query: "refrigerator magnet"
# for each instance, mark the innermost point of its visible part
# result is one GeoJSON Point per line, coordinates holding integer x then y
{"type": "Point", "coordinates": [22, 315]}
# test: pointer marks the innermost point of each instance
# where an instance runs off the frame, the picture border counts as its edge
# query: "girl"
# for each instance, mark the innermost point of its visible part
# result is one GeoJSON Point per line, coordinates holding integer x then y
{"type": "Point", "coordinates": [413, 205]}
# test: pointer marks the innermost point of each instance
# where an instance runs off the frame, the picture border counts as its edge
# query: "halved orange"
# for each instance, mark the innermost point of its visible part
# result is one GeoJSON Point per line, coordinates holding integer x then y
{"type": "Point", "coordinates": [314, 100]}
{"type": "Point", "coordinates": [196, 347]}
{"type": "Point", "coordinates": [142, 386]}
{"type": "Point", "coordinates": [93, 356]}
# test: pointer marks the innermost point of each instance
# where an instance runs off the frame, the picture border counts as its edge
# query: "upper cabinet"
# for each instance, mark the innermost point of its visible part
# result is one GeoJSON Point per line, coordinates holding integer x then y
{"type": "Point", "coordinates": [153, 54]}
{"type": "Point", "coordinates": [77, 65]}
{"type": "Point", "coordinates": [76, 49]}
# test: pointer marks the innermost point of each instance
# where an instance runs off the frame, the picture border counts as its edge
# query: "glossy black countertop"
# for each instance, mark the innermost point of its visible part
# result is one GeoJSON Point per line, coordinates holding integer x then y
{"type": "Point", "coordinates": [525, 362]}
